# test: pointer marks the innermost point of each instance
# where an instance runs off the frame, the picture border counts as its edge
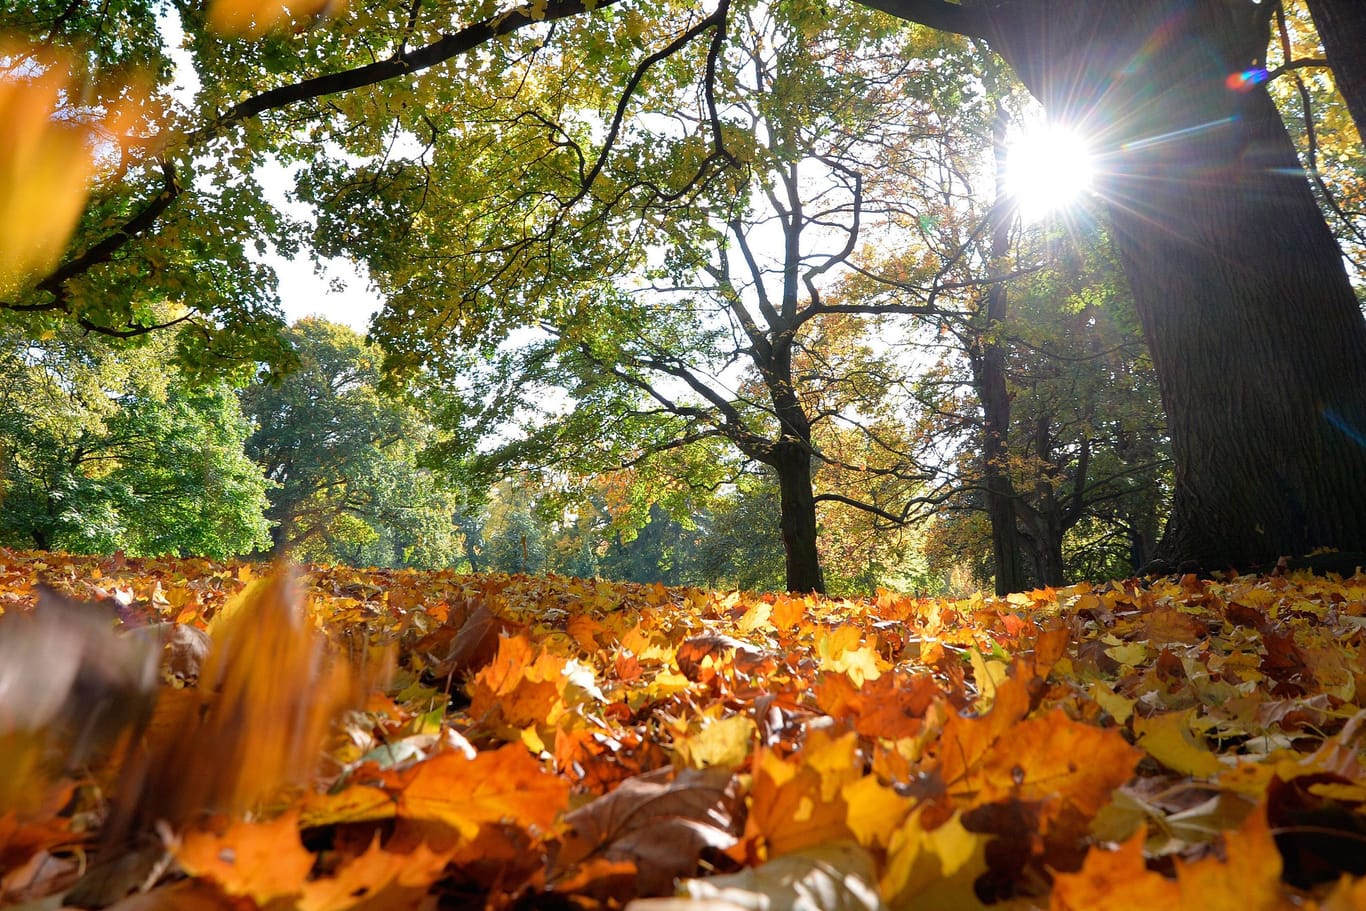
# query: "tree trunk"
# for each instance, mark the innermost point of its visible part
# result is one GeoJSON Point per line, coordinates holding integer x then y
{"type": "Point", "coordinates": [1341, 25]}
{"type": "Point", "coordinates": [1047, 519]}
{"type": "Point", "coordinates": [987, 357]}
{"type": "Point", "coordinates": [1256, 336]}
{"type": "Point", "coordinates": [792, 462]}
{"type": "Point", "coordinates": [279, 534]}
{"type": "Point", "coordinates": [1044, 550]}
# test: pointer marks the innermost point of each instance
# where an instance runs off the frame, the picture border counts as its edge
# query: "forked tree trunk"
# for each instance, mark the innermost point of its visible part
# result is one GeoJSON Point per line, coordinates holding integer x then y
{"type": "Point", "coordinates": [1341, 25]}
{"type": "Point", "coordinates": [1256, 336]}
{"type": "Point", "coordinates": [791, 460]}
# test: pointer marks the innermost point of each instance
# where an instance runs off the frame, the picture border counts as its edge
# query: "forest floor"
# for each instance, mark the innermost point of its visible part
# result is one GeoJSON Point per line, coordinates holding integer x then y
{"type": "Point", "coordinates": [190, 734]}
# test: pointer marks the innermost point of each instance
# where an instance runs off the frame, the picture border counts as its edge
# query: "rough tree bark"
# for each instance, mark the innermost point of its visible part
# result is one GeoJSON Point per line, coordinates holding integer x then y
{"type": "Point", "coordinates": [1257, 339]}
{"type": "Point", "coordinates": [1044, 523]}
{"type": "Point", "coordinates": [1341, 25]}
{"type": "Point", "coordinates": [986, 356]}
{"type": "Point", "coordinates": [791, 460]}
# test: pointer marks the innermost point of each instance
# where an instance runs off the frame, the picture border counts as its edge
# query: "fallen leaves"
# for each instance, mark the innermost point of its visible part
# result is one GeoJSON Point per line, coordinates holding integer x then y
{"type": "Point", "coordinates": [1244, 876]}
{"type": "Point", "coordinates": [839, 876]}
{"type": "Point", "coordinates": [1166, 743]}
{"type": "Point", "coordinates": [70, 687]}
{"type": "Point", "coordinates": [268, 696]}
{"type": "Point", "coordinates": [661, 824]}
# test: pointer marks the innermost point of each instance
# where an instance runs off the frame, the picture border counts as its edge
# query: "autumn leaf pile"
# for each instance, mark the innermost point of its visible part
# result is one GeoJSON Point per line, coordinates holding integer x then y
{"type": "Point", "coordinates": [378, 740]}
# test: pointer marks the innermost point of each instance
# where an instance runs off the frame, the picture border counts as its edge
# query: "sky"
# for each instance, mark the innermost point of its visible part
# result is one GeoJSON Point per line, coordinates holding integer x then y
{"type": "Point", "coordinates": [338, 290]}
{"type": "Point", "coordinates": [341, 294]}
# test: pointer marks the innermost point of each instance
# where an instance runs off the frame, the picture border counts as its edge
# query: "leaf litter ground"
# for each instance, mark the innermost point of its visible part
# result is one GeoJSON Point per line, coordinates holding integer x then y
{"type": "Point", "coordinates": [189, 734]}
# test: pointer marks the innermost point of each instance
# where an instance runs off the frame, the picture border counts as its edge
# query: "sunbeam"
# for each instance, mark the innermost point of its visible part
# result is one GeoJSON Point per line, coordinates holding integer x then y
{"type": "Point", "coordinates": [1048, 168]}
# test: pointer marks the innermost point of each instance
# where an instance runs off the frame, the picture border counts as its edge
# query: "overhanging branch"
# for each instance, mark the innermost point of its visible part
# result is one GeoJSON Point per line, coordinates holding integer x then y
{"type": "Point", "coordinates": [936, 14]}
{"type": "Point", "coordinates": [402, 63]}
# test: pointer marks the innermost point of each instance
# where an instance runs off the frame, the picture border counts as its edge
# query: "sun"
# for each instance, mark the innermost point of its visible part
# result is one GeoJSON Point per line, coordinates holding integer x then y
{"type": "Point", "coordinates": [1048, 168]}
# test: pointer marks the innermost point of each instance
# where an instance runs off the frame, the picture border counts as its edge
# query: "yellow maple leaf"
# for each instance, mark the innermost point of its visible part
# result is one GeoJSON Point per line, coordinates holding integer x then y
{"type": "Point", "coordinates": [1169, 738]}
{"type": "Point", "coordinates": [724, 744]}
{"type": "Point", "coordinates": [875, 811]}
{"type": "Point", "coordinates": [757, 617]}
{"type": "Point", "coordinates": [358, 803]}
{"type": "Point", "coordinates": [930, 869]}
{"type": "Point", "coordinates": [839, 651]}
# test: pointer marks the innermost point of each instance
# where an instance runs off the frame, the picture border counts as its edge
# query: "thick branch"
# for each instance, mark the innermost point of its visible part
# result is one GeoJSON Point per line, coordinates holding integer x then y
{"type": "Point", "coordinates": [402, 63]}
{"type": "Point", "coordinates": [936, 14]}
{"type": "Point", "coordinates": [104, 251]}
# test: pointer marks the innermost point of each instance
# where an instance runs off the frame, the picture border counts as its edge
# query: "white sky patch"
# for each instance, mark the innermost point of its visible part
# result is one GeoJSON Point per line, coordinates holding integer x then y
{"type": "Point", "coordinates": [185, 84]}
{"type": "Point", "coordinates": [337, 289]}
{"type": "Point", "coordinates": [339, 293]}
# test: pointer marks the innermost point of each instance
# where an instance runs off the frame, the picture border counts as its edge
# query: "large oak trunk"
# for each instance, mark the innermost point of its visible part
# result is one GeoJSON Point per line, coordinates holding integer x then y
{"type": "Point", "coordinates": [987, 358]}
{"type": "Point", "coordinates": [1257, 339]}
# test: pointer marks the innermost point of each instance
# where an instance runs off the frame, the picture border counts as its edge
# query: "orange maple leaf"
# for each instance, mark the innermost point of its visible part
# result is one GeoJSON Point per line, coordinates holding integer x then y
{"type": "Point", "coordinates": [260, 860]}
{"type": "Point", "coordinates": [1246, 878]}
{"type": "Point", "coordinates": [1114, 880]}
{"type": "Point", "coordinates": [462, 794]}
{"type": "Point", "coordinates": [256, 18]}
{"type": "Point", "coordinates": [377, 880]}
{"type": "Point", "coordinates": [797, 804]}
{"type": "Point", "coordinates": [521, 687]}
{"type": "Point", "coordinates": [966, 740]}
{"type": "Point", "coordinates": [892, 707]}
{"type": "Point", "coordinates": [1051, 759]}
{"type": "Point", "coordinates": [1051, 756]}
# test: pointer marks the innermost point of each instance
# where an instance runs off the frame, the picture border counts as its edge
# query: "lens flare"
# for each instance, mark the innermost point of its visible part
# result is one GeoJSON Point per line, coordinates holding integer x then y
{"type": "Point", "coordinates": [1047, 169]}
{"type": "Point", "coordinates": [1247, 80]}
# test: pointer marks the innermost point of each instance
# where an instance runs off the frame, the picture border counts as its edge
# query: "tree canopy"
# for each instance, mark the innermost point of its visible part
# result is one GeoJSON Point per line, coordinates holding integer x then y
{"type": "Point", "coordinates": [506, 169]}
{"type": "Point", "coordinates": [107, 447]}
{"type": "Point", "coordinates": [342, 457]}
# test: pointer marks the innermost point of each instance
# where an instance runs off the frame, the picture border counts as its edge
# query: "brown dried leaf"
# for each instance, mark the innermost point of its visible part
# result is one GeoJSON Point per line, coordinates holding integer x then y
{"type": "Point", "coordinates": [659, 821]}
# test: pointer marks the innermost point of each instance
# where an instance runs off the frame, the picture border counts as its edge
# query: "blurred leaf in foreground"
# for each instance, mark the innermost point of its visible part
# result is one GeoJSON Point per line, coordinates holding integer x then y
{"type": "Point", "coordinates": [267, 697]}
{"type": "Point", "coordinates": [48, 158]}
{"type": "Point", "coordinates": [254, 18]}
{"type": "Point", "coordinates": [70, 686]}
